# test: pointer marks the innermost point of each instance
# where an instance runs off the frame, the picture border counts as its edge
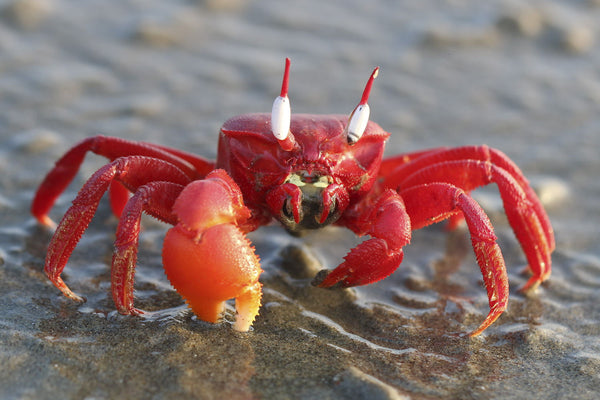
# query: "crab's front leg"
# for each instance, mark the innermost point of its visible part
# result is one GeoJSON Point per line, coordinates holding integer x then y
{"type": "Point", "coordinates": [207, 256]}
{"type": "Point", "coordinates": [386, 221]}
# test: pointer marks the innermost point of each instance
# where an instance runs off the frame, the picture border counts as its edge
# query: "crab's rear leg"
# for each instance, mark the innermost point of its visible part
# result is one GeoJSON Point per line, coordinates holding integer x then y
{"type": "Point", "coordinates": [398, 171]}
{"type": "Point", "coordinates": [393, 170]}
{"type": "Point", "coordinates": [390, 165]}
{"type": "Point", "coordinates": [133, 172]}
{"type": "Point", "coordinates": [207, 256]}
{"type": "Point", "coordinates": [430, 203]}
{"type": "Point", "coordinates": [387, 222]}
{"type": "Point", "coordinates": [522, 210]}
{"type": "Point", "coordinates": [65, 169]}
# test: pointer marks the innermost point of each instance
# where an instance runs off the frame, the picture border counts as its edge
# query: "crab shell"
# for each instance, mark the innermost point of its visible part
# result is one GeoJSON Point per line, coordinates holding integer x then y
{"type": "Point", "coordinates": [322, 157]}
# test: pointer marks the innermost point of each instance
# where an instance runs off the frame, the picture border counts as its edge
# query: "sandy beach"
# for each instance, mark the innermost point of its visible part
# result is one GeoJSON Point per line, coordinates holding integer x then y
{"type": "Point", "coordinates": [522, 78]}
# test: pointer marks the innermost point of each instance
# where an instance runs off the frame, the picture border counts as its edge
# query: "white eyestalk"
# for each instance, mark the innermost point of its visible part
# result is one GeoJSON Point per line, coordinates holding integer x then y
{"type": "Point", "coordinates": [281, 117]}
{"type": "Point", "coordinates": [281, 114]}
{"type": "Point", "coordinates": [358, 122]}
{"type": "Point", "coordinates": [359, 118]}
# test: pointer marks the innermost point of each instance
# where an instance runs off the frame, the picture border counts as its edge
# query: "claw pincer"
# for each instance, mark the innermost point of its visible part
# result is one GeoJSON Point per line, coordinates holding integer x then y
{"type": "Point", "coordinates": [207, 257]}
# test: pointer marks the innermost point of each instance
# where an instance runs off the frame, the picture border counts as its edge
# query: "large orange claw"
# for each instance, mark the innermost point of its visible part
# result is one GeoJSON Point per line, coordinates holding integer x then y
{"type": "Point", "coordinates": [207, 257]}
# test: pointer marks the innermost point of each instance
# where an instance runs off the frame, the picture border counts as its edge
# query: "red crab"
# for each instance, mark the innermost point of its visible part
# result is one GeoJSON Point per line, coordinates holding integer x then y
{"type": "Point", "coordinates": [306, 171]}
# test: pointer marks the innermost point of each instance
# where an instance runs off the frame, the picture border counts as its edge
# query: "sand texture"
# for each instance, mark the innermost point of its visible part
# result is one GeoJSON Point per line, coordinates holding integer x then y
{"type": "Point", "coordinates": [520, 78]}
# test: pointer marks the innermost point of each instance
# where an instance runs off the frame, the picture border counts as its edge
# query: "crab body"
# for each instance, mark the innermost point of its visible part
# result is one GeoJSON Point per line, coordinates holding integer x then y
{"type": "Point", "coordinates": [322, 163]}
{"type": "Point", "coordinates": [305, 171]}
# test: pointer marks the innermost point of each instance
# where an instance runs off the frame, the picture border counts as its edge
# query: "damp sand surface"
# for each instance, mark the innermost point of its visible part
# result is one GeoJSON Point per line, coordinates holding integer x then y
{"type": "Point", "coordinates": [520, 78]}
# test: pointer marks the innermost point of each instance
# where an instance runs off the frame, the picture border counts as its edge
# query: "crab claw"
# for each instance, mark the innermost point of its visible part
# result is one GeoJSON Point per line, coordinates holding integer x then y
{"type": "Point", "coordinates": [207, 257]}
{"type": "Point", "coordinates": [378, 257]}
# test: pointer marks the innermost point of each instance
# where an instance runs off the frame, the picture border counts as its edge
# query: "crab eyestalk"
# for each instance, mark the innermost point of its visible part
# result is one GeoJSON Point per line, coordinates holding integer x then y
{"type": "Point", "coordinates": [281, 114]}
{"type": "Point", "coordinates": [359, 118]}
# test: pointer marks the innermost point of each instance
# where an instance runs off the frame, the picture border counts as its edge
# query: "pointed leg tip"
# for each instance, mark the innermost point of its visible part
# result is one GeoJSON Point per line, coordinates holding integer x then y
{"type": "Point", "coordinates": [531, 285]}
{"type": "Point", "coordinates": [332, 279]}
{"type": "Point", "coordinates": [75, 297]}
{"type": "Point", "coordinates": [486, 324]}
{"type": "Point", "coordinates": [493, 315]}
{"type": "Point", "coordinates": [137, 311]}
{"type": "Point", "coordinates": [66, 291]}
{"type": "Point", "coordinates": [47, 222]}
{"type": "Point", "coordinates": [476, 332]}
{"type": "Point", "coordinates": [131, 311]}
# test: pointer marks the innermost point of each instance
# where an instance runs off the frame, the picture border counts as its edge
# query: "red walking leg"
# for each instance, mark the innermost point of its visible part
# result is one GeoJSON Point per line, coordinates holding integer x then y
{"type": "Point", "coordinates": [133, 172]}
{"type": "Point", "coordinates": [430, 203]}
{"type": "Point", "coordinates": [200, 164]}
{"type": "Point", "coordinates": [67, 166]}
{"type": "Point", "coordinates": [390, 164]}
{"type": "Point", "coordinates": [520, 208]}
{"type": "Point", "coordinates": [397, 176]}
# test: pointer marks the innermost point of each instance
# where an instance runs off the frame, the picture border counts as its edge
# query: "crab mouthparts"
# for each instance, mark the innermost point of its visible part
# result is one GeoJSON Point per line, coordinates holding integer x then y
{"type": "Point", "coordinates": [316, 206]}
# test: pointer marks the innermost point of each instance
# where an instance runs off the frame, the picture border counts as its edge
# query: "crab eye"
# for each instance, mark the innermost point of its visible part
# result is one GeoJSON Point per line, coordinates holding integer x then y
{"type": "Point", "coordinates": [281, 117]}
{"type": "Point", "coordinates": [357, 123]}
{"type": "Point", "coordinates": [281, 112]}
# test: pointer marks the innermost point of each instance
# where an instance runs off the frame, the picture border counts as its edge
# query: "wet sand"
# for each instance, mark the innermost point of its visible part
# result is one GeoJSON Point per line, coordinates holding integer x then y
{"type": "Point", "coordinates": [519, 78]}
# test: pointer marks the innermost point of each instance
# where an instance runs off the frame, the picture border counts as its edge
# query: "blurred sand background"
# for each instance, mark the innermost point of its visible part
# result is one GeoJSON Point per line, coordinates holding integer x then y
{"type": "Point", "coordinates": [519, 76]}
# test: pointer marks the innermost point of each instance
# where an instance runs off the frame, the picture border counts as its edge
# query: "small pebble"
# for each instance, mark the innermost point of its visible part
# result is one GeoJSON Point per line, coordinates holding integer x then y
{"type": "Point", "coordinates": [551, 191]}
{"type": "Point", "coordinates": [593, 3]}
{"type": "Point", "coordinates": [35, 141]}
{"type": "Point", "coordinates": [5, 203]}
{"type": "Point", "coordinates": [165, 31]}
{"type": "Point", "coordinates": [454, 36]}
{"type": "Point", "coordinates": [525, 21]}
{"type": "Point", "coordinates": [576, 39]}
{"type": "Point", "coordinates": [155, 34]}
{"type": "Point", "coordinates": [299, 262]}
{"type": "Point", "coordinates": [222, 5]}
{"type": "Point", "coordinates": [27, 14]}
{"type": "Point", "coordinates": [570, 32]}
{"type": "Point", "coordinates": [355, 384]}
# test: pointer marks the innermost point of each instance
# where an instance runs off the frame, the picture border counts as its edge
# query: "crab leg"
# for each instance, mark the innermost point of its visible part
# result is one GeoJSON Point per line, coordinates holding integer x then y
{"type": "Point", "coordinates": [430, 203]}
{"type": "Point", "coordinates": [520, 210]}
{"type": "Point", "coordinates": [67, 166]}
{"type": "Point", "coordinates": [118, 196]}
{"type": "Point", "coordinates": [154, 198]}
{"type": "Point", "coordinates": [389, 172]}
{"type": "Point", "coordinates": [391, 164]}
{"type": "Point", "coordinates": [207, 256]}
{"type": "Point", "coordinates": [133, 172]}
{"type": "Point", "coordinates": [388, 224]}
{"type": "Point", "coordinates": [395, 177]}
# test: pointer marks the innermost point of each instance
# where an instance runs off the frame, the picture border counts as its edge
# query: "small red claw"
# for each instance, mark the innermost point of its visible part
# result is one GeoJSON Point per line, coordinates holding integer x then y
{"type": "Point", "coordinates": [207, 258]}
{"type": "Point", "coordinates": [374, 259]}
{"type": "Point", "coordinates": [367, 263]}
